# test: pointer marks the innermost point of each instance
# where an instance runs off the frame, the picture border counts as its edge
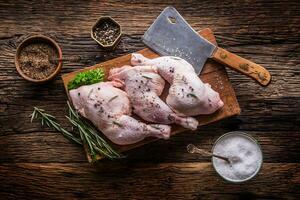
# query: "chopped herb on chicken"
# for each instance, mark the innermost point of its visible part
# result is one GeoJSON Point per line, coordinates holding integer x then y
{"type": "Point", "coordinates": [192, 95]}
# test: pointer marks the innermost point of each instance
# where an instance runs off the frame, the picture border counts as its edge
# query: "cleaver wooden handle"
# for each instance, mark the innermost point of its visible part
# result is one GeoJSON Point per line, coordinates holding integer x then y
{"type": "Point", "coordinates": [251, 69]}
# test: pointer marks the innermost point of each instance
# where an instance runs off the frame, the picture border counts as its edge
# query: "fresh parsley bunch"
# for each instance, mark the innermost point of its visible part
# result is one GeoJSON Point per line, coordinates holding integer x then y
{"type": "Point", "coordinates": [86, 78]}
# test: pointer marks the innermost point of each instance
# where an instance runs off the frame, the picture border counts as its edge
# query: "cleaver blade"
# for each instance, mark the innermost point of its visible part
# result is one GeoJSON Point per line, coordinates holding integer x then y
{"type": "Point", "coordinates": [171, 35]}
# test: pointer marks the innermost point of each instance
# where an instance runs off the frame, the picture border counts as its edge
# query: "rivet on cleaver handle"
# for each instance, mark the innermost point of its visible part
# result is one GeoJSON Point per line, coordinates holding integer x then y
{"type": "Point", "coordinates": [171, 35]}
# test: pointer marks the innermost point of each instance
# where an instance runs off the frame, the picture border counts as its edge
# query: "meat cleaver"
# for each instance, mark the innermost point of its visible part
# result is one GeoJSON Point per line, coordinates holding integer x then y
{"type": "Point", "coordinates": [171, 35]}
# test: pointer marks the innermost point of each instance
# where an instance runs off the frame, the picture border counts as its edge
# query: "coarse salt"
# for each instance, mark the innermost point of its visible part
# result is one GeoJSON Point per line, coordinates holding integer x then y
{"type": "Point", "coordinates": [244, 155]}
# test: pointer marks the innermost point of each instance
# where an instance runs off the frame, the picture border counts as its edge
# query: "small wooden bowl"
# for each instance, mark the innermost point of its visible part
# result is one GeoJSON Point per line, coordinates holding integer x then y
{"type": "Point", "coordinates": [38, 39]}
{"type": "Point", "coordinates": [117, 40]}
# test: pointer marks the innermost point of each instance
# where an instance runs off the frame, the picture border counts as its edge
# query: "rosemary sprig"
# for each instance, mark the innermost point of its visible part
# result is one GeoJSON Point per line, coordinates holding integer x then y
{"type": "Point", "coordinates": [89, 135]}
{"type": "Point", "coordinates": [84, 134]}
{"type": "Point", "coordinates": [51, 122]}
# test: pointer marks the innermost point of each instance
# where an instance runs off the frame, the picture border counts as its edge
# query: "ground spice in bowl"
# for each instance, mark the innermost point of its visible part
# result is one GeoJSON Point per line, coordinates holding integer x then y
{"type": "Point", "coordinates": [38, 59]}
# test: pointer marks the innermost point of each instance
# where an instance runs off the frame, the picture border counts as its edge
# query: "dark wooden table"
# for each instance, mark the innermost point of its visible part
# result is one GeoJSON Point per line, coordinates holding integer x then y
{"type": "Point", "coordinates": [38, 163]}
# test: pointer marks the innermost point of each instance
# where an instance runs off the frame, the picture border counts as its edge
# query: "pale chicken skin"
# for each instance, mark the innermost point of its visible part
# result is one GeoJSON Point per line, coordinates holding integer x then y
{"type": "Point", "coordinates": [188, 95]}
{"type": "Point", "coordinates": [144, 86]}
{"type": "Point", "coordinates": [109, 109]}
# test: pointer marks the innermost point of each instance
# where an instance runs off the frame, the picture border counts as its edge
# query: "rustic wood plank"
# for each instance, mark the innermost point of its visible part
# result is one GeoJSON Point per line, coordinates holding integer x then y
{"type": "Point", "coordinates": [248, 17]}
{"type": "Point", "coordinates": [49, 147]}
{"type": "Point", "coordinates": [143, 181]}
{"type": "Point", "coordinates": [267, 32]}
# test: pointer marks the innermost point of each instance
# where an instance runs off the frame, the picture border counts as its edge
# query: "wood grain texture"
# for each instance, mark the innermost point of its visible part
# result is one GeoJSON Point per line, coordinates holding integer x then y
{"type": "Point", "coordinates": [212, 73]}
{"type": "Point", "coordinates": [39, 163]}
{"type": "Point", "coordinates": [162, 181]}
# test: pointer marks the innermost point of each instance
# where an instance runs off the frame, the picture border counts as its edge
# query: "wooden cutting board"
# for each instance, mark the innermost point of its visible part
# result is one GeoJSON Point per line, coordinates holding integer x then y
{"type": "Point", "coordinates": [212, 73]}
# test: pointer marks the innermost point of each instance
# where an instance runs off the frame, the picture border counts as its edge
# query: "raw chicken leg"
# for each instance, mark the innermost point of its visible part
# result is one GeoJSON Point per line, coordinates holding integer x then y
{"type": "Point", "coordinates": [144, 86]}
{"type": "Point", "coordinates": [188, 95]}
{"type": "Point", "coordinates": [108, 108]}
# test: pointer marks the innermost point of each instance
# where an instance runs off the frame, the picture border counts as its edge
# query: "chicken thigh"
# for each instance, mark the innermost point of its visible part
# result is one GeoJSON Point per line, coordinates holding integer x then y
{"type": "Point", "coordinates": [144, 86]}
{"type": "Point", "coordinates": [188, 95]}
{"type": "Point", "coordinates": [109, 109]}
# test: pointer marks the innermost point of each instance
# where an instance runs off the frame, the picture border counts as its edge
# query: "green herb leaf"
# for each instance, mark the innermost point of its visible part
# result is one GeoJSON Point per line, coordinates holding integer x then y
{"type": "Point", "coordinates": [117, 123]}
{"type": "Point", "coordinates": [86, 78]}
{"type": "Point", "coordinates": [155, 126]}
{"type": "Point", "coordinates": [147, 77]}
{"type": "Point", "coordinates": [192, 95]}
{"type": "Point", "coordinates": [113, 98]}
